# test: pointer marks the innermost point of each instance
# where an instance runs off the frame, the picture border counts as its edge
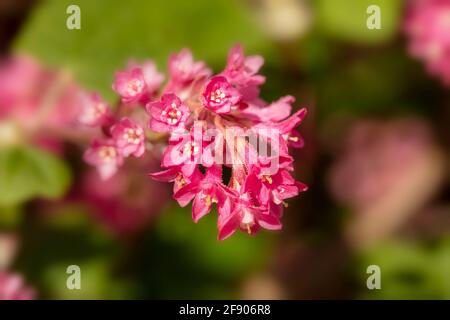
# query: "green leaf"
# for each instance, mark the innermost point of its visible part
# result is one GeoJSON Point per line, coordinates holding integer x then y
{"type": "Point", "coordinates": [347, 19]}
{"type": "Point", "coordinates": [27, 172]}
{"type": "Point", "coordinates": [112, 33]}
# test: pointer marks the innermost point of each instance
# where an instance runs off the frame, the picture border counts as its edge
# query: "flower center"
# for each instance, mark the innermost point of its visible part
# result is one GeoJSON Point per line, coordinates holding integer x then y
{"type": "Point", "coordinates": [191, 148]}
{"type": "Point", "coordinates": [208, 200]}
{"type": "Point", "coordinates": [108, 154]}
{"type": "Point", "coordinates": [132, 135]}
{"type": "Point", "coordinates": [171, 115]}
{"type": "Point", "coordinates": [135, 87]}
{"type": "Point", "coordinates": [217, 96]}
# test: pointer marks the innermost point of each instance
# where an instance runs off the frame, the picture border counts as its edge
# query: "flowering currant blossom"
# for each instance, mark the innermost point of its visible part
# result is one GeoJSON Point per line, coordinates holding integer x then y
{"type": "Point", "coordinates": [105, 155]}
{"type": "Point", "coordinates": [137, 83]}
{"type": "Point", "coordinates": [428, 29]}
{"type": "Point", "coordinates": [219, 96]}
{"type": "Point", "coordinates": [129, 138]}
{"type": "Point", "coordinates": [168, 114]}
{"type": "Point", "coordinates": [94, 111]}
{"type": "Point", "coordinates": [215, 126]}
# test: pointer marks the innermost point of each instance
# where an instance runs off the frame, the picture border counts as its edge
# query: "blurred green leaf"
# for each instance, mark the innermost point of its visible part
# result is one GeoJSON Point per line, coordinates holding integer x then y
{"type": "Point", "coordinates": [10, 216]}
{"type": "Point", "coordinates": [347, 19]}
{"type": "Point", "coordinates": [68, 236]}
{"type": "Point", "coordinates": [185, 260]}
{"type": "Point", "coordinates": [27, 172]}
{"type": "Point", "coordinates": [112, 33]}
{"type": "Point", "coordinates": [409, 270]}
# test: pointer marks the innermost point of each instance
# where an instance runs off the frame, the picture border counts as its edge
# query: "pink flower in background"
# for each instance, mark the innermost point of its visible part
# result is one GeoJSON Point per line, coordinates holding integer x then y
{"type": "Point", "coordinates": [43, 104]}
{"type": "Point", "coordinates": [153, 78]}
{"type": "Point", "coordinates": [376, 154]}
{"type": "Point", "coordinates": [168, 114]}
{"type": "Point", "coordinates": [105, 156]}
{"type": "Point", "coordinates": [183, 70]}
{"type": "Point", "coordinates": [138, 83]}
{"type": "Point", "coordinates": [211, 123]}
{"type": "Point", "coordinates": [126, 203]}
{"type": "Point", "coordinates": [94, 111]}
{"type": "Point", "coordinates": [12, 287]}
{"type": "Point", "coordinates": [385, 173]}
{"type": "Point", "coordinates": [428, 29]}
{"type": "Point", "coordinates": [129, 138]}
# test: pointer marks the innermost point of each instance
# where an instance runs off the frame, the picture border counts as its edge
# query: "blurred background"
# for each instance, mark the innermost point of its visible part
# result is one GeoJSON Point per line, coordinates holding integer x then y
{"type": "Point", "coordinates": [376, 155]}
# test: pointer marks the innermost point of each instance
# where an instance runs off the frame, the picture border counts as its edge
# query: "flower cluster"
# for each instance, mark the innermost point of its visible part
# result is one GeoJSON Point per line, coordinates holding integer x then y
{"type": "Point", "coordinates": [428, 27]}
{"type": "Point", "coordinates": [225, 145]}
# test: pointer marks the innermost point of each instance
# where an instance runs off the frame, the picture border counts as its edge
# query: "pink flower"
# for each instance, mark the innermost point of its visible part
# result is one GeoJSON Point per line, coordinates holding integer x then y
{"type": "Point", "coordinates": [428, 28]}
{"type": "Point", "coordinates": [129, 138]}
{"type": "Point", "coordinates": [376, 155]}
{"type": "Point", "coordinates": [104, 155]}
{"type": "Point", "coordinates": [243, 70]}
{"type": "Point", "coordinates": [220, 96]}
{"type": "Point", "coordinates": [153, 78]}
{"type": "Point", "coordinates": [138, 83]}
{"type": "Point", "coordinates": [12, 287]}
{"type": "Point", "coordinates": [205, 192]}
{"type": "Point", "coordinates": [273, 187]}
{"type": "Point", "coordinates": [186, 150]}
{"type": "Point", "coordinates": [94, 111]}
{"type": "Point", "coordinates": [127, 202]}
{"type": "Point", "coordinates": [183, 70]}
{"type": "Point", "coordinates": [276, 111]}
{"type": "Point", "coordinates": [181, 180]}
{"type": "Point", "coordinates": [243, 214]}
{"type": "Point", "coordinates": [168, 114]}
{"type": "Point", "coordinates": [130, 85]}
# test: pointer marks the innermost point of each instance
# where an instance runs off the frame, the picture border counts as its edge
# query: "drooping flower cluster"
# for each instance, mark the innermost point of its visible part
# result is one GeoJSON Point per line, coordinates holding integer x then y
{"type": "Point", "coordinates": [225, 145]}
{"type": "Point", "coordinates": [428, 27]}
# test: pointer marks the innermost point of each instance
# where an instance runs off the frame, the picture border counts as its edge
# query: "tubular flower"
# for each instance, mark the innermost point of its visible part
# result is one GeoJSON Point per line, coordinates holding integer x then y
{"type": "Point", "coordinates": [215, 126]}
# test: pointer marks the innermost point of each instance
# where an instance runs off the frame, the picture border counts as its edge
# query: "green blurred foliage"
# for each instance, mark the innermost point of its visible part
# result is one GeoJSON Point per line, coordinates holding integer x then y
{"type": "Point", "coordinates": [114, 32]}
{"type": "Point", "coordinates": [67, 236]}
{"type": "Point", "coordinates": [185, 260]}
{"type": "Point", "coordinates": [27, 172]}
{"type": "Point", "coordinates": [410, 270]}
{"type": "Point", "coordinates": [376, 83]}
{"type": "Point", "coordinates": [347, 19]}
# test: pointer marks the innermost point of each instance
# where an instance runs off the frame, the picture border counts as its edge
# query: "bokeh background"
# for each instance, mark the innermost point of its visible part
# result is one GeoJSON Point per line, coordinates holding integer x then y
{"type": "Point", "coordinates": [376, 155]}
